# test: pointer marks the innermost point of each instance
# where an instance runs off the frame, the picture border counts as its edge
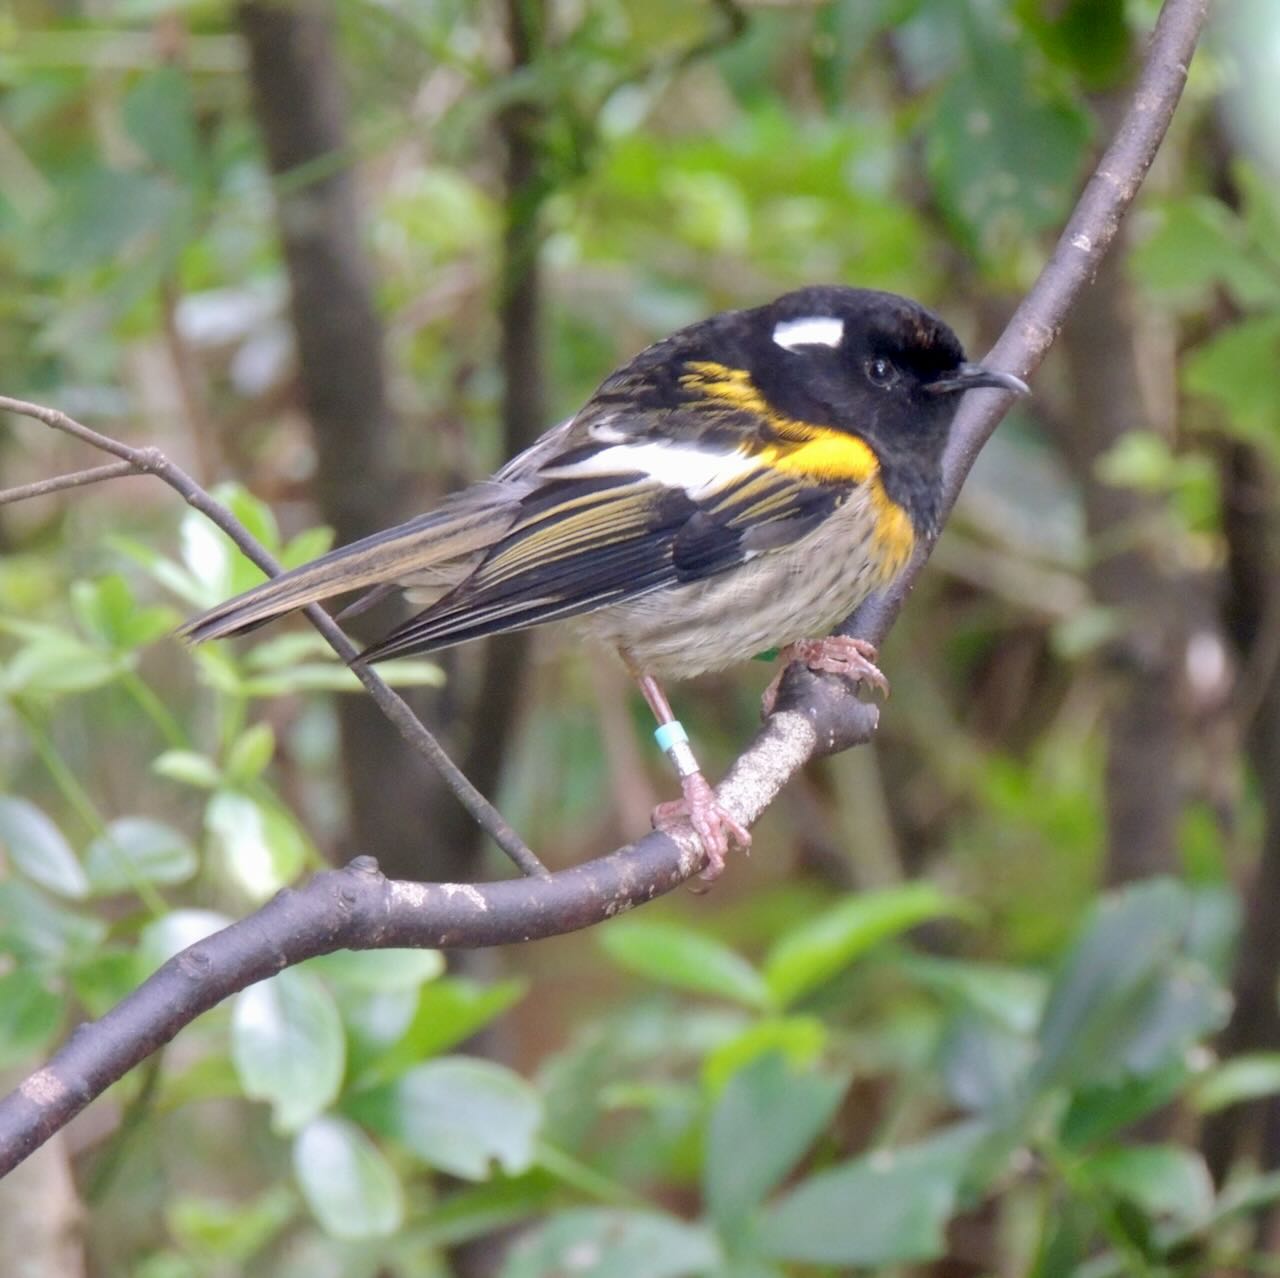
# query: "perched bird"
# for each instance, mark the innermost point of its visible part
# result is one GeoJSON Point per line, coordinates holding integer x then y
{"type": "Point", "coordinates": [737, 487]}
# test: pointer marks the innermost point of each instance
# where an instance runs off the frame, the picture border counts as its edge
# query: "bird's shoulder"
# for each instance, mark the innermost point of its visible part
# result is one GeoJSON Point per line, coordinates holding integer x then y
{"type": "Point", "coordinates": [683, 418]}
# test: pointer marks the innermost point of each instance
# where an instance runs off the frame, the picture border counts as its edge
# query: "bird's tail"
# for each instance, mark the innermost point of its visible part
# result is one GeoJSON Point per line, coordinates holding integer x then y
{"type": "Point", "coordinates": [419, 548]}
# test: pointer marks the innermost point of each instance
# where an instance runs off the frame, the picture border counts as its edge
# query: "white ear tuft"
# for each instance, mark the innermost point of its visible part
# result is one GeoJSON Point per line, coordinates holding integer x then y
{"type": "Point", "coordinates": [810, 330]}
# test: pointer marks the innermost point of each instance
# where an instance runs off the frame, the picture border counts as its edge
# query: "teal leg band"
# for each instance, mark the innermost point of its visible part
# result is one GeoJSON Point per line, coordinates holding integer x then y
{"type": "Point", "coordinates": [673, 741]}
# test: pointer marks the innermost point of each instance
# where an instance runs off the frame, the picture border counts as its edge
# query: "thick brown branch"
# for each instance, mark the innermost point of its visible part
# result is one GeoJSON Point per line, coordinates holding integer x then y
{"type": "Point", "coordinates": [357, 908]}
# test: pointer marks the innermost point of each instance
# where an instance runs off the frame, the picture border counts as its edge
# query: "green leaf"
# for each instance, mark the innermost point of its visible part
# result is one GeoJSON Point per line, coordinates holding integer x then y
{"type": "Point", "coordinates": [1096, 1113]}
{"type": "Point", "coordinates": [1014, 997]}
{"type": "Point", "coordinates": [480, 1210]}
{"type": "Point", "coordinates": [219, 1231]}
{"type": "Point", "coordinates": [1198, 243]}
{"type": "Point", "coordinates": [800, 1039]}
{"type": "Point", "coordinates": [288, 1046]}
{"type": "Point", "coordinates": [261, 847]}
{"type": "Point", "coordinates": [169, 1263]}
{"type": "Point", "coordinates": [329, 676]}
{"type": "Point", "coordinates": [449, 1011]}
{"type": "Point", "coordinates": [684, 958]}
{"type": "Point", "coordinates": [1162, 1180]}
{"type": "Point", "coordinates": [766, 1118]}
{"type": "Point", "coordinates": [842, 35]}
{"type": "Point", "coordinates": [302, 661]}
{"type": "Point", "coordinates": [374, 1022]}
{"type": "Point", "coordinates": [1242, 1078]}
{"type": "Point", "coordinates": [61, 664]}
{"type": "Point", "coordinates": [101, 979]}
{"type": "Point", "coordinates": [1120, 1004]}
{"type": "Point", "coordinates": [610, 1243]}
{"type": "Point", "coordinates": [172, 576]}
{"type": "Point", "coordinates": [35, 929]}
{"type": "Point", "coordinates": [30, 1015]}
{"type": "Point", "coordinates": [812, 953]}
{"type": "Point", "coordinates": [1239, 370]}
{"type": "Point", "coordinates": [309, 544]}
{"type": "Point", "coordinates": [174, 932]}
{"type": "Point", "coordinates": [189, 768]}
{"type": "Point", "coordinates": [101, 211]}
{"type": "Point", "coordinates": [982, 1064]}
{"type": "Point", "coordinates": [108, 611]}
{"type": "Point", "coordinates": [379, 971]}
{"type": "Point", "coordinates": [250, 753]}
{"type": "Point", "coordinates": [158, 116]}
{"type": "Point", "coordinates": [137, 849]}
{"type": "Point", "coordinates": [1184, 1005]}
{"type": "Point", "coordinates": [1094, 37]}
{"type": "Point", "coordinates": [206, 555]}
{"type": "Point", "coordinates": [37, 849]}
{"type": "Point", "coordinates": [283, 651]}
{"type": "Point", "coordinates": [211, 1077]}
{"type": "Point", "coordinates": [1005, 143]}
{"type": "Point", "coordinates": [890, 1207]}
{"type": "Point", "coordinates": [458, 1114]}
{"type": "Point", "coordinates": [254, 514]}
{"type": "Point", "coordinates": [219, 669]}
{"type": "Point", "coordinates": [352, 1190]}
{"type": "Point", "coordinates": [1245, 1194]}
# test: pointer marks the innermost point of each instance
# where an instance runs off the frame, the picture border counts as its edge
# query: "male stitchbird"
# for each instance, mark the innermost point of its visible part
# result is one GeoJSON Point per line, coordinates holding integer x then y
{"type": "Point", "coordinates": [740, 486]}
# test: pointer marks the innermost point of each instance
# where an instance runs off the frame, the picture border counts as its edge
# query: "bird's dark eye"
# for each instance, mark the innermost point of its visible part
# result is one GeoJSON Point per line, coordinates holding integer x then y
{"type": "Point", "coordinates": [880, 372]}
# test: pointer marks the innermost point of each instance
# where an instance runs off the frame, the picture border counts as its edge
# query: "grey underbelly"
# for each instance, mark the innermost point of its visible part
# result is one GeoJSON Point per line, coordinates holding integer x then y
{"type": "Point", "coordinates": [799, 592]}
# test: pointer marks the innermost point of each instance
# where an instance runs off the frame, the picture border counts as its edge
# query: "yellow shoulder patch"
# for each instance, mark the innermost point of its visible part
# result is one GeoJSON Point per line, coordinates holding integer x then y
{"type": "Point", "coordinates": [800, 448]}
{"type": "Point", "coordinates": [830, 456]}
{"type": "Point", "coordinates": [809, 451]}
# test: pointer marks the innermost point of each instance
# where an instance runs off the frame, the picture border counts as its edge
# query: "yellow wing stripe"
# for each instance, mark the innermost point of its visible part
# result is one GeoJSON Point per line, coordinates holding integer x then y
{"type": "Point", "coordinates": [728, 385]}
{"type": "Point", "coordinates": [600, 524]}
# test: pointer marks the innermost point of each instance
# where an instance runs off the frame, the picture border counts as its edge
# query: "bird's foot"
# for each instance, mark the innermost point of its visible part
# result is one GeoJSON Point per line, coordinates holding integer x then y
{"type": "Point", "coordinates": [717, 831]}
{"type": "Point", "coordinates": [836, 654]}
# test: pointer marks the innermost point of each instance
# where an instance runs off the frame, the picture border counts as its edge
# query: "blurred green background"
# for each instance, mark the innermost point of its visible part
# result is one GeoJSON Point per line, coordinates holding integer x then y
{"type": "Point", "coordinates": [996, 995]}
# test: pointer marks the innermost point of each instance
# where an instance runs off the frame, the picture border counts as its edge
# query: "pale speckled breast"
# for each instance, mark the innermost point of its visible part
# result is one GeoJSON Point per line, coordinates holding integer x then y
{"type": "Point", "coordinates": [799, 592]}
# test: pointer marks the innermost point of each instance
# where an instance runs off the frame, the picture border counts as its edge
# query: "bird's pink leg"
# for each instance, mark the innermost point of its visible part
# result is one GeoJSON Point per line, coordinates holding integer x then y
{"type": "Point", "coordinates": [836, 654]}
{"type": "Point", "coordinates": [716, 829]}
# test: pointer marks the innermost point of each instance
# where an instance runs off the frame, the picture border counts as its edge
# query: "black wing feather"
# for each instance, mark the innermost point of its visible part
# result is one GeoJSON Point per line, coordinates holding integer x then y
{"type": "Point", "coordinates": [583, 543]}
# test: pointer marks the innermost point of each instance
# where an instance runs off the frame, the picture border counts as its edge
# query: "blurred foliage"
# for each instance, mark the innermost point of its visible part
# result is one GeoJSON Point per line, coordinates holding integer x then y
{"type": "Point", "coordinates": [789, 1077]}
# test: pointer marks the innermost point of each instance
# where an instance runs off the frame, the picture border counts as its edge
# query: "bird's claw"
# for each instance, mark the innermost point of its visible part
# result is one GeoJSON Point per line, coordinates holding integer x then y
{"type": "Point", "coordinates": [836, 654]}
{"type": "Point", "coordinates": [716, 829]}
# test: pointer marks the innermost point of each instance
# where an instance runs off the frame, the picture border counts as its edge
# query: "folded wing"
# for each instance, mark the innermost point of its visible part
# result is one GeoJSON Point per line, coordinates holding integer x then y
{"type": "Point", "coordinates": [611, 521]}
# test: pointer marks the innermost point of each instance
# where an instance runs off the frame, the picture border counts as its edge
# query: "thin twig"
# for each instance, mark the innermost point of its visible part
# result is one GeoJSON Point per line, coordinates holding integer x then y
{"type": "Point", "coordinates": [153, 462]}
{"type": "Point", "coordinates": [358, 908]}
{"type": "Point", "coordinates": [77, 479]}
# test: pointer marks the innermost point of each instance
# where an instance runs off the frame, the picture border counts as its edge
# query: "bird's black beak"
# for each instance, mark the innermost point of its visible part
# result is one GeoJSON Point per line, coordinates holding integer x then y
{"type": "Point", "coordinates": [972, 376]}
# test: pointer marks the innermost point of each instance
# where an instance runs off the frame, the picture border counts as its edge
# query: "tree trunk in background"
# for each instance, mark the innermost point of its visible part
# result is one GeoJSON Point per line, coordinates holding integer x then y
{"type": "Point", "coordinates": [300, 107]}
{"type": "Point", "coordinates": [1125, 527]}
{"type": "Point", "coordinates": [394, 800]}
{"type": "Point", "coordinates": [40, 1211]}
{"type": "Point", "coordinates": [1253, 619]}
{"type": "Point", "coordinates": [489, 715]}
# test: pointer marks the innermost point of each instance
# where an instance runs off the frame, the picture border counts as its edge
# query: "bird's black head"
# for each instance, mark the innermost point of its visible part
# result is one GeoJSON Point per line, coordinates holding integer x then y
{"type": "Point", "coordinates": [874, 364]}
